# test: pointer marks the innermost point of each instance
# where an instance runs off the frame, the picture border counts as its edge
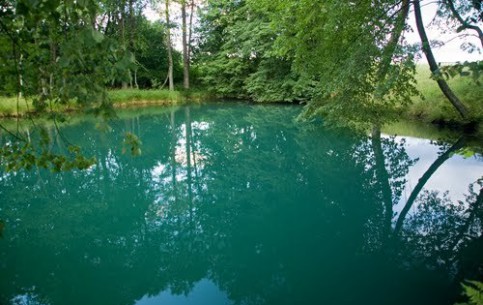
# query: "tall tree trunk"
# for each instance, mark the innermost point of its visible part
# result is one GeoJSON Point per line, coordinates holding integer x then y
{"type": "Point", "coordinates": [132, 26]}
{"type": "Point", "coordinates": [433, 66]}
{"type": "Point", "coordinates": [122, 29]}
{"type": "Point", "coordinates": [186, 59]}
{"type": "Point", "coordinates": [169, 47]}
{"type": "Point", "coordinates": [18, 69]}
{"type": "Point", "coordinates": [190, 32]}
{"type": "Point", "coordinates": [132, 35]}
{"type": "Point", "coordinates": [53, 58]}
{"type": "Point", "coordinates": [107, 29]}
{"type": "Point", "coordinates": [20, 78]}
{"type": "Point", "coordinates": [136, 78]}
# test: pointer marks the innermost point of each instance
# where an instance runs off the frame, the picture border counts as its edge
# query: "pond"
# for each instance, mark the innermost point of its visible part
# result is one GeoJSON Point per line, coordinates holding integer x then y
{"type": "Point", "coordinates": [240, 204]}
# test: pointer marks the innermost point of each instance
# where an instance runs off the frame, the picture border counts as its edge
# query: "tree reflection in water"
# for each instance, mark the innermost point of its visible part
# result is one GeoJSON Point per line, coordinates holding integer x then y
{"type": "Point", "coordinates": [269, 211]}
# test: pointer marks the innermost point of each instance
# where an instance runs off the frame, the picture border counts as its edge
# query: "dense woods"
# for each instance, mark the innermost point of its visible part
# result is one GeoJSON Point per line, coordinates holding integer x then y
{"type": "Point", "coordinates": [59, 49]}
{"type": "Point", "coordinates": [349, 63]}
{"type": "Point", "coordinates": [345, 59]}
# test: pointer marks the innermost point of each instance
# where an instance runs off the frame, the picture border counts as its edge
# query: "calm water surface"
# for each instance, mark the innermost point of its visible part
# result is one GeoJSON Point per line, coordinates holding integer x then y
{"type": "Point", "coordinates": [240, 205]}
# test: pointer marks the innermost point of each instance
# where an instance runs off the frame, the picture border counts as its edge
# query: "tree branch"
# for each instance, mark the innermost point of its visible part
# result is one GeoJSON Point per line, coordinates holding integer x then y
{"type": "Point", "coordinates": [464, 23]}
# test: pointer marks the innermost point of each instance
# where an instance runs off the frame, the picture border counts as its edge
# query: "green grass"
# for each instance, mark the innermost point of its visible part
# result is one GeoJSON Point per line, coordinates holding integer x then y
{"type": "Point", "coordinates": [121, 98]}
{"type": "Point", "coordinates": [136, 96]}
{"type": "Point", "coordinates": [10, 107]}
{"type": "Point", "coordinates": [435, 107]}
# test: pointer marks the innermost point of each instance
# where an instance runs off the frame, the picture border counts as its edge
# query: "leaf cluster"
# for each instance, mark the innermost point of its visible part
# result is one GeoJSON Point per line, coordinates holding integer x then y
{"type": "Point", "coordinates": [470, 69]}
{"type": "Point", "coordinates": [132, 144]}
{"type": "Point", "coordinates": [17, 156]}
{"type": "Point", "coordinates": [473, 290]}
{"type": "Point", "coordinates": [362, 75]}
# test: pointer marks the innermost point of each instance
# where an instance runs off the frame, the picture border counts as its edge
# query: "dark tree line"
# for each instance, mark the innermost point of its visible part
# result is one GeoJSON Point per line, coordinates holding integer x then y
{"type": "Point", "coordinates": [347, 60]}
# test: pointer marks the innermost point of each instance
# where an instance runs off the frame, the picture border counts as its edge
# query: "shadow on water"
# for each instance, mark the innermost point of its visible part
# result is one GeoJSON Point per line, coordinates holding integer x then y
{"type": "Point", "coordinates": [239, 205]}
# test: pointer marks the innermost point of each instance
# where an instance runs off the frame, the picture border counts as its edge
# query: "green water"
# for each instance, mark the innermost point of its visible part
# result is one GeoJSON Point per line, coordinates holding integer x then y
{"type": "Point", "coordinates": [240, 205]}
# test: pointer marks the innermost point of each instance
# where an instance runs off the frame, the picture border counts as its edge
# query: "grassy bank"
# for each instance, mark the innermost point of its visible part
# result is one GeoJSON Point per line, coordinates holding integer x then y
{"type": "Point", "coordinates": [122, 98]}
{"type": "Point", "coordinates": [11, 107]}
{"type": "Point", "coordinates": [433, 105]}
{"type": "Point", "coordinates": [135, 97]}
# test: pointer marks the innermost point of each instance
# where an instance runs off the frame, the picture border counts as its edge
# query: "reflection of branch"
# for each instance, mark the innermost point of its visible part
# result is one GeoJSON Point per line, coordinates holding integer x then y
{"type": "Point", "coordinates": [173, 155]}
{"type": "Point", "coordinates": [188, 158]}
{"type": "Point", "coordinates": [422, 181]}
{"type": "Point", "coordinates": [195, 165]}
{"type": "Point", "coordinates": [2, 225]}
{"type": "Point", "coordinates": [11, 133]}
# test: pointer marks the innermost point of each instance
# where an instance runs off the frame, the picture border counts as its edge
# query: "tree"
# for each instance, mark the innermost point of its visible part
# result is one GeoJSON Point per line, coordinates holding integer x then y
{"type": "Point", "coordinates": [169, 46]}
{"type": "Point", "coordinates": [118, 20]}
{"type": "Point", "coordinates": [357, 53]}
{"type": "Point", "coordinates": [152, 56]}
{"type": "Point", "coordinates": [469, 15]}
{"type": "Point", "coordinates": [350, 49]}
{"type": "Point", "coordinates": [185, 42]}
{"type": "Point", "coordinates": [433, 65]}
{"type": "Point", "coordinates": [56, 55]}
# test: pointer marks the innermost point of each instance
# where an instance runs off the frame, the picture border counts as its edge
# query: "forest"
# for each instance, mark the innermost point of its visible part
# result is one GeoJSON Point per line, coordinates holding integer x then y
{"type": "Point", "coordinates": [341, 59]}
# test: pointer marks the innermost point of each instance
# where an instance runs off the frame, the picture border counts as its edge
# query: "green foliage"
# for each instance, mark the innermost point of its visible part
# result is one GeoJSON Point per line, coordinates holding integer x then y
{"type": "Point", "coordinates": [151, 55]}
{"type": "Point", "coordinates": [10, 106]}
{"type": "Point", "coordinates": [347, 48]}
{"type": "Point", "coordinates": [349, 62]}
{"type": "Point", "coordinates": [26, 155]}
{"type": "Point", "coordinates": [473, 291]}
{"type": "Point", "coordinates": [472, 69]}
{"type": "Point", "coordinates": [118, 97]}
{"type": "Point", "coordinates": [132, 144]}
{"type": "Point", "coordinates": [237, 57]}
{"type": "Point", "coordinates": [54, 54]}
{"type": "Point", "coordinates": [336, 56]}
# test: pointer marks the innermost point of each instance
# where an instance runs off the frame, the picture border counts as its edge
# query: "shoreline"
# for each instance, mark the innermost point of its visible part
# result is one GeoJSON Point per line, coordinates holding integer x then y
{"type": "Point", "coordinates": [133, 99]}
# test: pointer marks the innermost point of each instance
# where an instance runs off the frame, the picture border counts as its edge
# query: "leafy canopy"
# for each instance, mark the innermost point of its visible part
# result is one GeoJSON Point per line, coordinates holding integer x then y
{"type": "Point", "coordinates": [351, 49]}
